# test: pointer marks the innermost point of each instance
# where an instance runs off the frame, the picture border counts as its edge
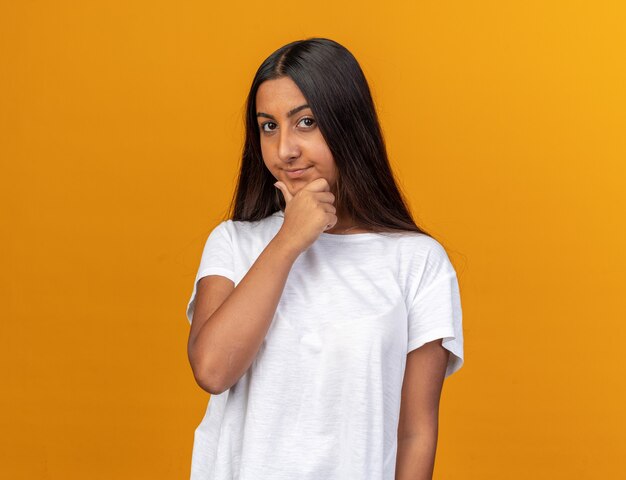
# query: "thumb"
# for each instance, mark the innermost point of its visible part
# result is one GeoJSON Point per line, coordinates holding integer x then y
{"type": "Point", "coordinates": [281, 186]}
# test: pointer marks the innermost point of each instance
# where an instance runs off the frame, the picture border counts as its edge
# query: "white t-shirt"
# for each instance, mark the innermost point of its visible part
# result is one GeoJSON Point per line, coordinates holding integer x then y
{"type": "Point", "coordinates": [321, 400]}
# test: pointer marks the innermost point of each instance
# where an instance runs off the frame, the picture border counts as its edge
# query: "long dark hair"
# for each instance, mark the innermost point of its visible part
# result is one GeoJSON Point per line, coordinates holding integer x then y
{"type": "Point", "coordinates": [337, 91]}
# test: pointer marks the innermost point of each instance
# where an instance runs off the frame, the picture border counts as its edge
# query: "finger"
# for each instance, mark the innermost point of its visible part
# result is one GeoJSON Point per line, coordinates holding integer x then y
{"type": "Point", "coordinates": [332, 223]}
{"type": "Point", "coordinates": [325, 197]}
{"type": "Point", "coordinates": [318, 185]}
{"type": "Point", "coordinates": [328, 208]}
{"type": "Point", "coordinates": [281, 186]}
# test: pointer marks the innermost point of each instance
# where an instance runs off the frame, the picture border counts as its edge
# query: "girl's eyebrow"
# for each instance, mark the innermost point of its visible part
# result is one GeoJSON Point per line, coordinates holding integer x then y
{"type": "Point", "coordinates": [290, 113]}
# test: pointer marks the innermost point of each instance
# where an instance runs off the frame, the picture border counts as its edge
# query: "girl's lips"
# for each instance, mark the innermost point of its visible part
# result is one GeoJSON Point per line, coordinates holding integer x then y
{"type": "Point", "coordinates": [297, 173]}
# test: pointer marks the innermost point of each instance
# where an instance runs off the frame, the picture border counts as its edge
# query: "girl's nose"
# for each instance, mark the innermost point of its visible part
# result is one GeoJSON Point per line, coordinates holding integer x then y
{"type": "Point", "coordinates": [288, 147]}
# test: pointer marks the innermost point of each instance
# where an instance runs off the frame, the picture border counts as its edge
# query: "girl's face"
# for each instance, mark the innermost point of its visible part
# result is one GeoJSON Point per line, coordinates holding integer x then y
{"type": "Point", "coordinates": [290, 137]}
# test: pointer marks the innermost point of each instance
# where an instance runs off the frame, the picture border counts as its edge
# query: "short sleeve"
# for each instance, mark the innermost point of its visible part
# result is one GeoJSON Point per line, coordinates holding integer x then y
{"type": "Point", "coordinates": [435, 304]}
{"type": "Point", "coordinates": [217, 259]}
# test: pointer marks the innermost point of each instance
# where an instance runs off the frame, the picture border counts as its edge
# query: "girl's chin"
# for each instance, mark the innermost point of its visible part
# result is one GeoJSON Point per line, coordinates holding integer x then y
{"type": "Point", "coordinates": [296, 184]}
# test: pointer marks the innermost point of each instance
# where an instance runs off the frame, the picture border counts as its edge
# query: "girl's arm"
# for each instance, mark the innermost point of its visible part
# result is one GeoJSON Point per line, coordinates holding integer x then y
{"type": "Point", "coordinates": [230, 323]}
{"type": "Point", "coordinates": [419, 411]}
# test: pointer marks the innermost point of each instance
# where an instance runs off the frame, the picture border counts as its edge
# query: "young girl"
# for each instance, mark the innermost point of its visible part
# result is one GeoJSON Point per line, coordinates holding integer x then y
{"type": "Point", "coordinates": [323, 319]}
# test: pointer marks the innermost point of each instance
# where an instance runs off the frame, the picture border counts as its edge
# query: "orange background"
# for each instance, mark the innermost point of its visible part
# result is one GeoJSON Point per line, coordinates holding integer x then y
{"type": "Point", "coordinates": [120, 136]}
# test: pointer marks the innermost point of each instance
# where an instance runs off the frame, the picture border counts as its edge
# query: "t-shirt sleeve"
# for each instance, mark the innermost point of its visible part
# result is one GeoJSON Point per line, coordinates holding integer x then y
{"type": "Point", "coordinates": [435, 304]}
{"type": "Point", "coordinates": [217, 259]}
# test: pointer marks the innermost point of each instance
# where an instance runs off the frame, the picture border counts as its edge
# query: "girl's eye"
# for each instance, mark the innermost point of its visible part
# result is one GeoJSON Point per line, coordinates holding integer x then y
{"type": "Point", "coordinates": [310, 120]}
{"type": "Point", "coordinates": [309, 124]}
{"type": "Point", "coordinates": [263, 125]}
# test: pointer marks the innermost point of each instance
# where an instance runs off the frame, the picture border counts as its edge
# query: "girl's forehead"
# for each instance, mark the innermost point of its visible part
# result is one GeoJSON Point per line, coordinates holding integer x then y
{"type": "Point", "coordinates": [282, 107]}
{"type": "Point", "coordinates": [282, 90]}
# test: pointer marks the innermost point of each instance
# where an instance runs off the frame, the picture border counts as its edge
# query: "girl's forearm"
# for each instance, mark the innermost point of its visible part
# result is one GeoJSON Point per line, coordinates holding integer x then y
{"type": "Point", "coordinates": [416, 456]}
{"type": "Point", "coordinates": [228, 342]}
